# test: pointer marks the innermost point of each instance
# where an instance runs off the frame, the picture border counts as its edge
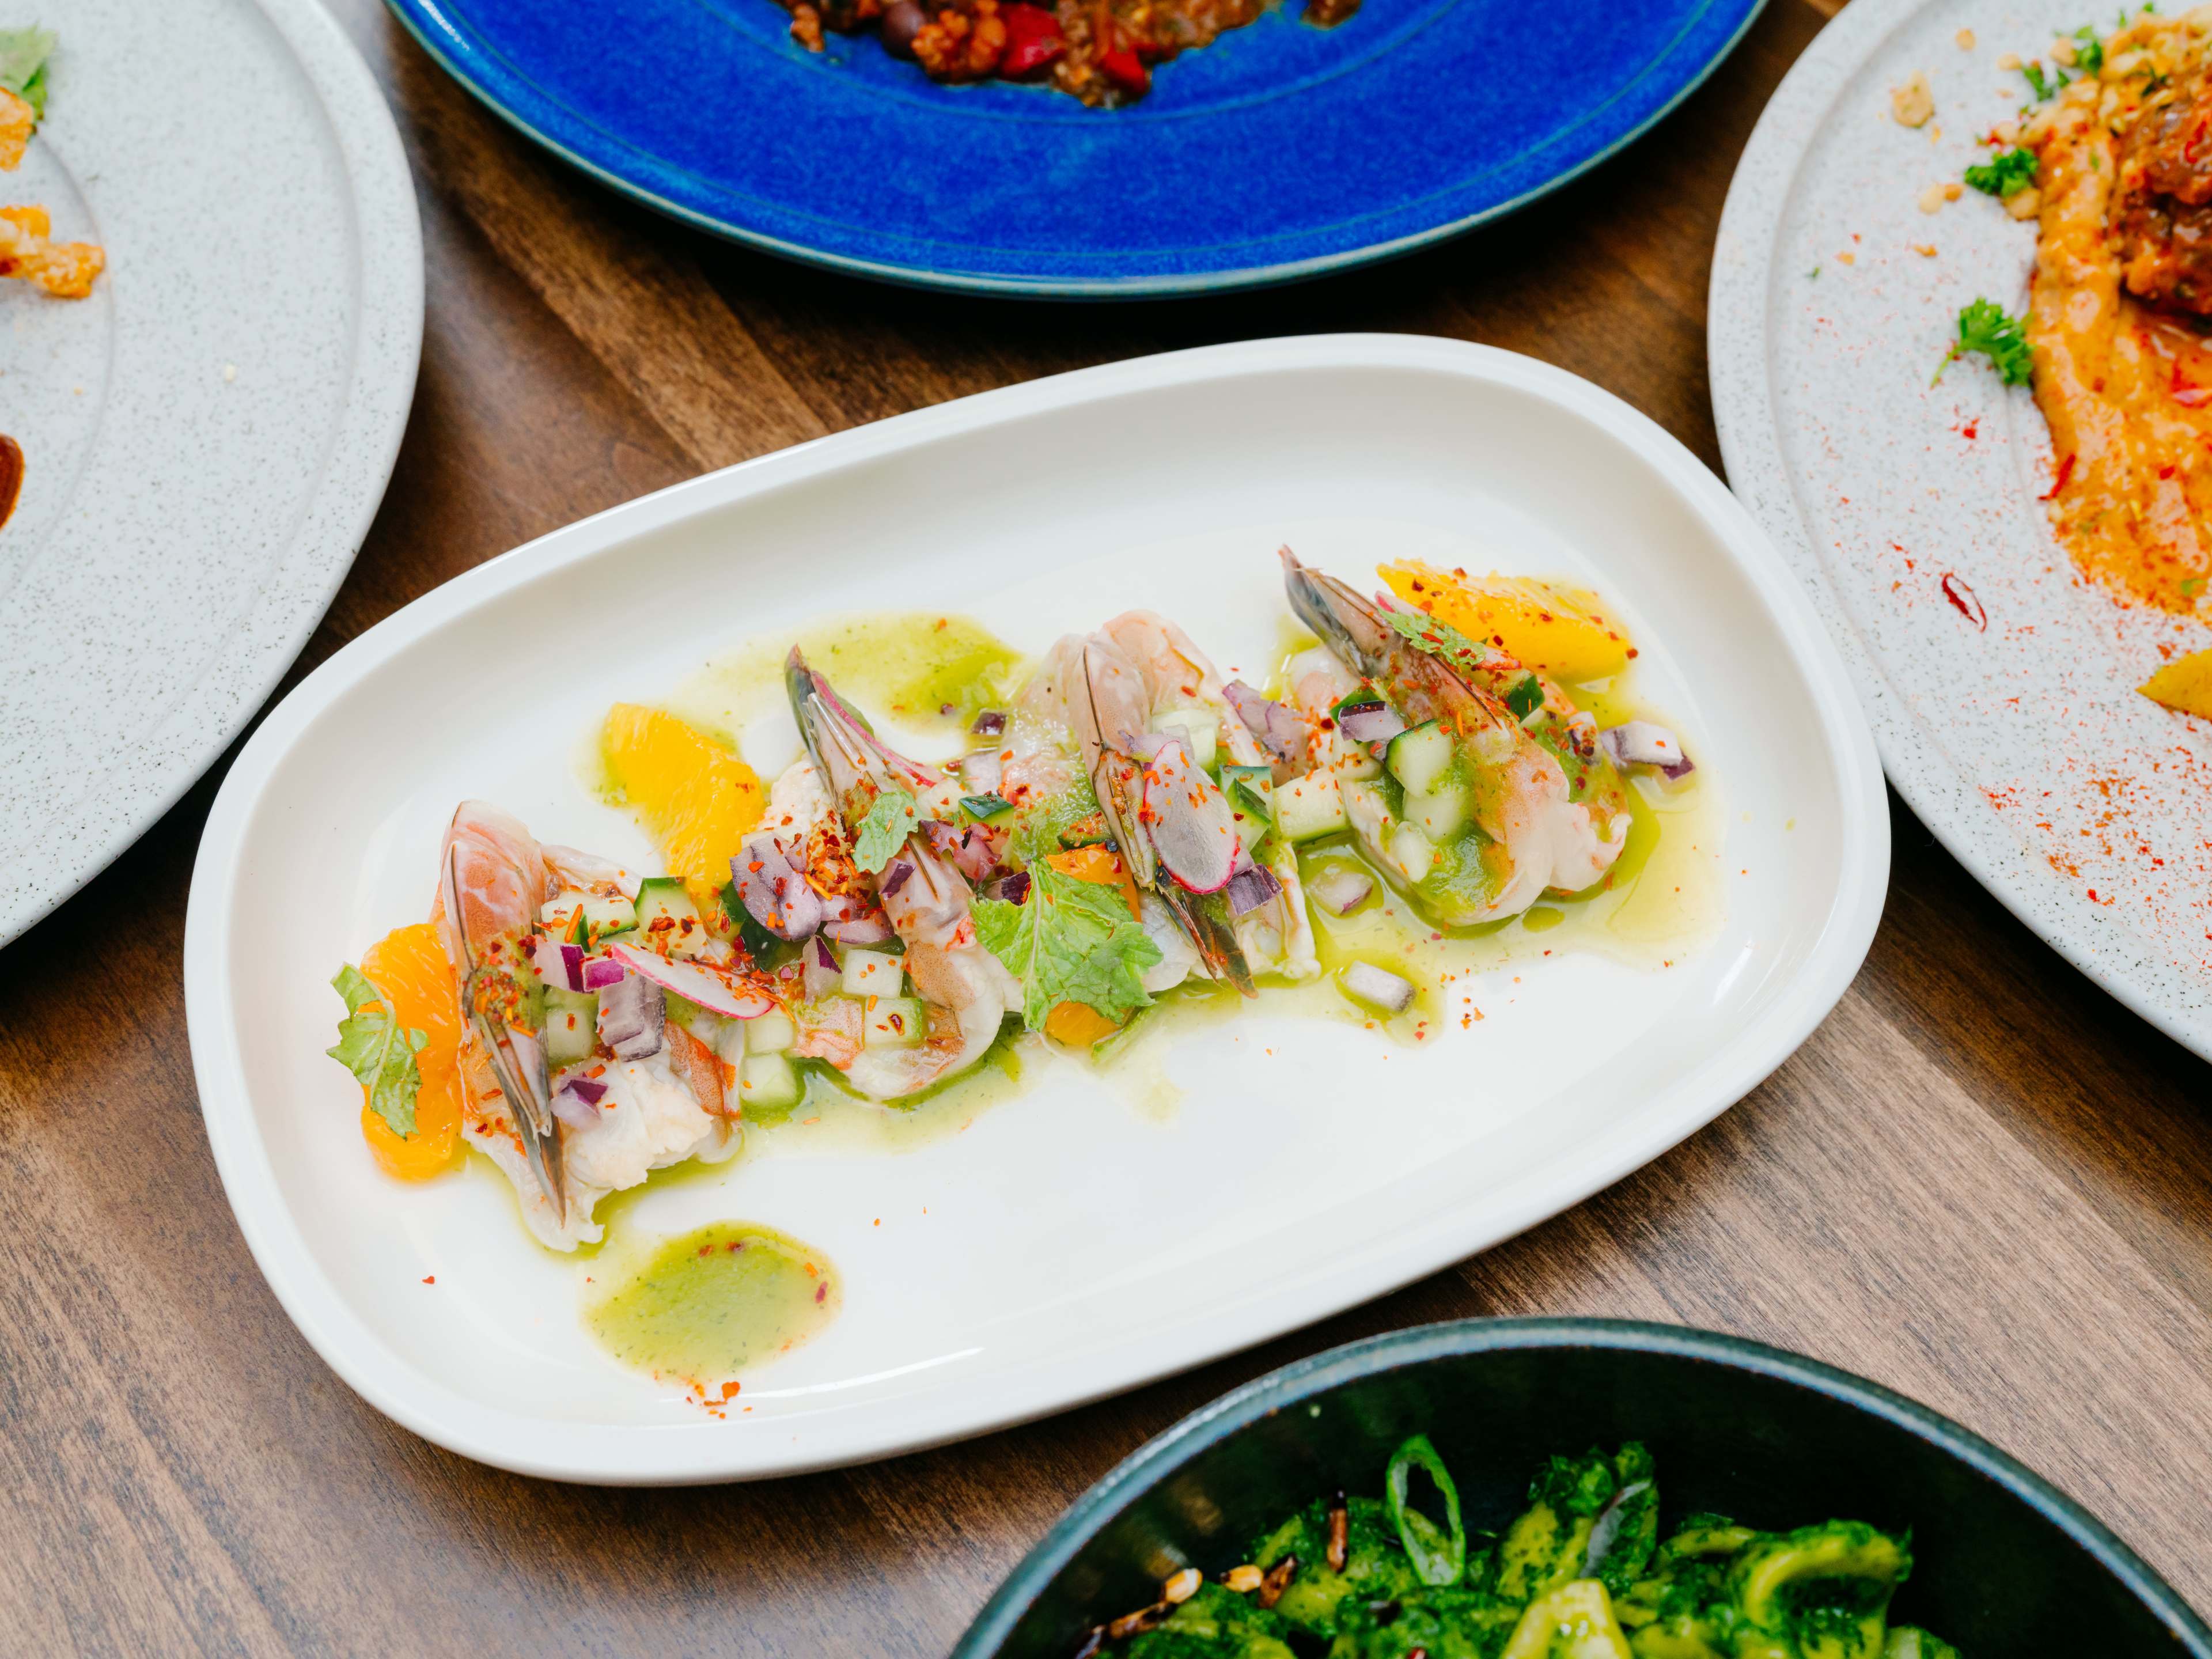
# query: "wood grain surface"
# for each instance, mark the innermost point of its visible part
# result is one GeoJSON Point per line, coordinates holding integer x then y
{"type": "Point", "coordinates": [1981, 1181]}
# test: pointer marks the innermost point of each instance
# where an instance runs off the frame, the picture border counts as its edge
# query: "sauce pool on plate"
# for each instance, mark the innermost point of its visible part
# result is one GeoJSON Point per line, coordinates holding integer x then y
{"type": "Point", "coordinates": [706, 1304]}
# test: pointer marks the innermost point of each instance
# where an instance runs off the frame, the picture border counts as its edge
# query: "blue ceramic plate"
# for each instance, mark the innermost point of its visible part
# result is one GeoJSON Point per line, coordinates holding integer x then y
{"type": "Point", "coordinates": [1279, 151]}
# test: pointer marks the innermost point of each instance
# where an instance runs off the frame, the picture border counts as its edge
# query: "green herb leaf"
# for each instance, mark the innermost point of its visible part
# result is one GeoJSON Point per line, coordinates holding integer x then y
{"type": "Point", "coordinates": [984, 806]}
{"type": "Point", "coordinates": [2004, 175]}
{"type": "Point", "coordinates": [375, 1050]}
{"type": "Point", "coordinates": [1440, 639]}
{"type": "Point", "coordinates": [1251, 789]}
{"type": "Point", "coordinates": [2088, 49]}
{"type": "Point", "coordinates": [1525, 696]}
{"type": "Point", "coordinates": [756, 939]}
{"type": "Point", "coordinates": [890, 820]}
{"type": "Point", "coordinates": [1987, 327]}
{"type": "Point", "coordinates": [1071, 941]}
{"type": "Point", "coordinates": [2045, 89]}
{"type": "Point", "coordinates": [23, 54]}
{"type": "Point", "coordinates": [1438, 1554]}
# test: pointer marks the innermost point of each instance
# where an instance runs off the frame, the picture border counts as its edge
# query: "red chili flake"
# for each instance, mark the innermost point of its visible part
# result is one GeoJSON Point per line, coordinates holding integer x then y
{"type": "Point", "coordinates": [2166, 471]}
{"type": "Point", "coordinates": [429, 1279]}
{"type": "Point", "coordinates": [1963, 600]}
{"type": "Point", "coordinates": [2058, 483]}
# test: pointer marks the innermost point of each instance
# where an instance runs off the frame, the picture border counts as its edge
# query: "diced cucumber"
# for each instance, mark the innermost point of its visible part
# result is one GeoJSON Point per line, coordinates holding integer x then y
{"type": "Point", "coordinates": [893, 1022]}
{"type": "Point", "coordinates": [1419, 756]}
{"type": "Point", "coordinates": [1251, 790]}
{"type": "Point", "coordinates": [995, 811]}
{"type": "Point", "coordinates": [1200, 728]}
{"type": "Point", "coordinates": [1414, 853]}
{"type": "Point", "coordinates": [1308, 806]}
{"type": "Point", "coordinates": [666, 898]}
{"type": "Point", "coordinates": [767, 1081]}
{"type": "Point", "coordinates": [937, 800]}
{"type": "Point", "coordinates": [771, 1034]}
{"type": "Point", "coordinates": [872, 974]}
{"type": "Point", "coordinates": [1354, 763]}
{"type": "Point", "coordinates": [599, 916]}
{"type": "Point", "coordinates": [572, 1025]}
{"type": "Point", "coordinates": [1440, 814]}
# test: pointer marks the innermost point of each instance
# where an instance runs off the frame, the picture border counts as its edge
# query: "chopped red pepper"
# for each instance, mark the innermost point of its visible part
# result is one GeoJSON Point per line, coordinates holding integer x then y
{"type": "Point", "coordinates": [1125, 71]}
{"type": "Point", "coordinates": [1033, 39]}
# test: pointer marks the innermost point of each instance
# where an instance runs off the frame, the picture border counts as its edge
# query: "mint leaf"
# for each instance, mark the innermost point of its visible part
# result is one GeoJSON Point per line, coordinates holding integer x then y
{"type": "Point", "coordinates": [1073, 941]}
{"type": "Point", "coordinates": [23, 54]}
{"type": "Point", "coordinates": [890, 820]}
{"type": "Point", "coordinates": [1495, 671]}
{"type": "Point", "coordinates": [370, 1046]}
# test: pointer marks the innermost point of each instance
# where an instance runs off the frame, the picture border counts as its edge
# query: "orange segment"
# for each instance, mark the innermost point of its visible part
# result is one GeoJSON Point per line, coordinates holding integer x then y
{"type": "Point", "coordinates": [2183, 685]}
{"type": "Point", "coordinates": [1100, 864]}
{"type": "Point", "coordinates": [409, 965]}
{"type": "Point", "coordinates": [1558, 630]}
{"type": "Point", "coordinates": [1078, 1024]}
{"type": "Point", "coordinates": [696, 798]}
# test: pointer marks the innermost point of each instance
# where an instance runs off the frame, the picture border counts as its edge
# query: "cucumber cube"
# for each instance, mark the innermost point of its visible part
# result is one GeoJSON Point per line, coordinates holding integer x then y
{"type": "Point", "coordinates": [873, 974]}
{"type": "Point", "coordinates": [1310, 806]}
{"type": "Point", "coordinates": [571, 1024]}
{"type": "Point", "coordinates": [1440, 815]}
{"type": "Point", "coordinates": [1420, 757]}
{"type": "Point", "coordinates": [893, 1022]}
{"type": "Point", "coordinates": [1199, 728]}
{"type": "Point", "coordinates": [1414, 853]}
{"type": "Point", "coordinates": [771, 1034]}
{"type": "Point", "coordinates": [767, 1081]}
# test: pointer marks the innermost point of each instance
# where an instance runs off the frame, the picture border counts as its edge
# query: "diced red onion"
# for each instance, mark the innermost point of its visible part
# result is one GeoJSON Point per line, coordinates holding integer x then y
{"type": "Point", "coordinates": [1010, 889]}
{"type": "Point", "coordinates": [896, 876]}
{"type": "Point", "coordinates": [1639, 742]}
{"type": "Point", "coordinates": [1340, 891]}
{"type": "Point", "coordinates": [1189, 820]}
{"type": "Point", "coordinates": [1368, 722]}
{"type": "Point", "coordinates": [977, 855]}
{"type": "Point", "coordinates": [559, 965]}
{"type": "Point", "coordinates": [577, 1102]}
{"type": "Point", "coordinates": [633, 1014]}
{"type": "Point", "coordinates": [1250, 889]}
{"type": "Point", "coordinates": [721, 990]}
{"type": "Point", "coordinates": [982, 772]}
{"type": "Point", "coordinates": [989, 724]}
{"type": "Point", "coordinates": [823, 976]}
{"type": "Point", "coordinates": [1386, 990]}
{"type": "Point", "coordinates": [860, 930]}
{"type": "Point", "coordinates": [774, 891]}
{"type": "Point", "coordinates": [1280, 730]}
{"type": "Point", "coordinates": [599, 972]}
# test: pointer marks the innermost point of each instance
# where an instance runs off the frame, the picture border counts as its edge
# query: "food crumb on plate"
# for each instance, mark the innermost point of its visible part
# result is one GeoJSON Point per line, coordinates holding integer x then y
{"type": "Point", "coordinates": [1912, 103]}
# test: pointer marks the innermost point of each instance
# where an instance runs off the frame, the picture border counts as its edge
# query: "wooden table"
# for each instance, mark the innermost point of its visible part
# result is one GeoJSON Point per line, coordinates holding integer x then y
{"type": "Point", "coordinates": [1981, 1181]}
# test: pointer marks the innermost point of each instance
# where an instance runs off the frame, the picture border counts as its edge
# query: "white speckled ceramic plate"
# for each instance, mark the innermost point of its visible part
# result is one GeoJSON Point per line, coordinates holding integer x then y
{"type": "Point", "coordinates": [2000, 685]}
{"type": "Point", "coordinates": [1072, 1240]}
{"type": "Point", "coordinates": [207, 437]}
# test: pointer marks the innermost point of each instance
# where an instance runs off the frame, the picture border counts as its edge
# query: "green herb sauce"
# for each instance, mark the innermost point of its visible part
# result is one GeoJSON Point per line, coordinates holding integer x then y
{"type": "Point", "coordinates": [705, 1305]}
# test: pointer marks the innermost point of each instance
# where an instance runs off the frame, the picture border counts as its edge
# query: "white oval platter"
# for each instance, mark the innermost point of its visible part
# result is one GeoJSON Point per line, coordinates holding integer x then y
{"type": "Point", "coordinates": [1070, 1241]}
{"type": "Point", "coordinates": [205, 438]}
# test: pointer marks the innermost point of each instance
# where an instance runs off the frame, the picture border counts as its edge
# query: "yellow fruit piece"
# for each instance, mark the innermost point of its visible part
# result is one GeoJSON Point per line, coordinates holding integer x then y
{"type": "Point", "coordinates": [2184, 686]}
{"type": "Point", "coordinates": [409, 965]}
{"type": "Point", "coordinates": [1559, 631]}
{"type": "Point", "coordinates": [1078, 1024]}
{"type": "Point", "coordinates": [697, 798]}
{"type": "Point", "coordinates": [1097, 864]}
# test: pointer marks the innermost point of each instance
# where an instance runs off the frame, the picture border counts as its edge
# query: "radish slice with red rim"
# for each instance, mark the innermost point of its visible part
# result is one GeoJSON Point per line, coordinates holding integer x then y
{"type": "Point", "coordinates": [1189, 819]}
{"type": "Point", "coordinates": [714, 988]}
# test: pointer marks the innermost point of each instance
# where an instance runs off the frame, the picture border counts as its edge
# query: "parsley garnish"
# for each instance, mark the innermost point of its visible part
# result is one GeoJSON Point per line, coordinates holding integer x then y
{"type": "Point", "coordinates": [1071, 941]}
{"type": "Point", "coordinates": [892, 818]}
{"type": "Point", "coordinates": [2089, 49]}
{"type": "Point", "coordinates": [370, 1046]}
{"type": "Point", "coordinates": [23, 54]}
{"type": "Point", "coordinates": [2045, 89]}
{"type": "Point", "coordinates": [2004, 175]}
{"type": "Point", "coordinates": [1985, 326]}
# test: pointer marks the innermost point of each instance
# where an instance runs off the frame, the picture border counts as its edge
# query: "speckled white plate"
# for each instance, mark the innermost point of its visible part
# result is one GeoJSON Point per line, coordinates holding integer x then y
{"type": "Point", "coordinates": [1071, 1241]}
{"type": "Point", "coordinates": [207, 437]}
{"type": "Point", "coordinates": [2000, 685]}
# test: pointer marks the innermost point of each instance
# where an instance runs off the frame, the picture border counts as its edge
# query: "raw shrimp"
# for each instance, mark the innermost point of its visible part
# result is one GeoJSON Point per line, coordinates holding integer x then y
{"type": "Point", "coordinates": [658, 1109]}
{"type": "Point", "coordinates": [1275, 935]}
{"type": "Point", "coordinates": [966, 991]}
{"type": "Point", "coordinates": [1535, 834]}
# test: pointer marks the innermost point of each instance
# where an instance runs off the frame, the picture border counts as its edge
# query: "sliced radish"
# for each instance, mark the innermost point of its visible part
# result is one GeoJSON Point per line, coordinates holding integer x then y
{"type": "Point", "coordinates": [711, 987]}
{"type": "Point", "coordinates": [1191, 826]}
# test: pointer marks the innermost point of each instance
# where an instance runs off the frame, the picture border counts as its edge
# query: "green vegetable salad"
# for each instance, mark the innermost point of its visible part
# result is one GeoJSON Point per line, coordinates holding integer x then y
{"type": "Point", "coordinates": [1583, 1572]}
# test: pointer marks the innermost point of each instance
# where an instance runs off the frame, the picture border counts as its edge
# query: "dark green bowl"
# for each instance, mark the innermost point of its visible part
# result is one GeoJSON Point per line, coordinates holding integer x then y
{"type": "Point", "coordinates": [2004, 1564]}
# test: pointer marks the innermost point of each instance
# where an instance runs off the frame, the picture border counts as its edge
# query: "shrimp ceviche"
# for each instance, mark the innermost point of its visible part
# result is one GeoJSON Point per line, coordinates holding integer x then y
{"type": "Point", "coordinates": [1126, 823]}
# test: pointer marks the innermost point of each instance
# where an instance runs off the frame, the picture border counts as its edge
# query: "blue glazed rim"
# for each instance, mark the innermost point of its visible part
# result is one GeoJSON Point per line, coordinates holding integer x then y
{"type": "Point", "coordinates": [1310, 1378]}
{"type": "Point", "coordinates": [509, 96]}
